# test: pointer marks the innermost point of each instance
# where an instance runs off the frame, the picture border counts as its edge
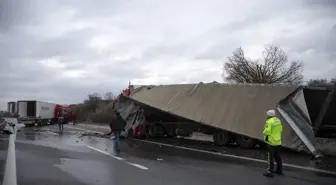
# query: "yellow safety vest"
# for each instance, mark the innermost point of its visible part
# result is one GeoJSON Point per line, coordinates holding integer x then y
{"type": "Point", "coordinates": [273, 130]}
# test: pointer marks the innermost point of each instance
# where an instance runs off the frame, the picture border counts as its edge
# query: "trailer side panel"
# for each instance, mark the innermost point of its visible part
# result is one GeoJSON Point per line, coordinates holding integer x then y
{"type": "Point", "coordinates": [45, 110]}
{"type": "Point", "coordinates": [238, 108]}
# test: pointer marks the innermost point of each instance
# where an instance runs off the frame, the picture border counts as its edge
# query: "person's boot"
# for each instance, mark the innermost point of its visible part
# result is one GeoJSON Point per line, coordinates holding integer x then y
{"type": "Point", "coordinates": [117, 149]}
{"type": "Point", "coordinates": [268, 174]}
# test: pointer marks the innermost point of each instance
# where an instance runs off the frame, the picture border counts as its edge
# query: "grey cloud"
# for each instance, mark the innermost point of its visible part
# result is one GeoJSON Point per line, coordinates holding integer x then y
{"type": "Point", "coordinates": [8, 14]}
{"type": "Point", "coordinates": [21, 77]}
{"type": "Point", "coordinates": [140, 37]}
{"type": "Point", "coordinates": [320, 38]}
{"type": "Point", "coordinates": [324, 3]}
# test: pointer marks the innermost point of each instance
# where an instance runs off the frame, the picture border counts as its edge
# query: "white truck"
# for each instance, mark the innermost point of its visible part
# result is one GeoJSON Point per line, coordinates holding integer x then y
{"type": "Point", "coordinates": [32, 111]}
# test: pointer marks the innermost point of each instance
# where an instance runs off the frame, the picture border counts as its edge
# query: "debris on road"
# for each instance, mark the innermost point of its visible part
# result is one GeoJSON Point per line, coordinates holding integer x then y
{"type": "Point", "coordinates": [96, 135]}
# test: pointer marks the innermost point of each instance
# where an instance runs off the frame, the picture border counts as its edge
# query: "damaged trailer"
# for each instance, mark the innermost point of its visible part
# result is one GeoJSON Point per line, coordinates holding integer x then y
{"type": "Point", "coordinates": [232, 113]}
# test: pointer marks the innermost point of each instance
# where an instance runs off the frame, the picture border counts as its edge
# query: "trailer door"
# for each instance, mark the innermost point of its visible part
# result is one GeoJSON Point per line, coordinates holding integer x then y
{"type": "Point", "coordinates": [22, 108]}
{"type": "Point", "coordinates": [31, 108]}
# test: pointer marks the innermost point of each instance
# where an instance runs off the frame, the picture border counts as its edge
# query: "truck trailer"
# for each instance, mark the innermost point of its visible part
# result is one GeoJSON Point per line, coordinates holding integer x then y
{"type": "Point", "coordinates": [39, 112]}
{"type": "Point", "coordinates": [12, 107]}
{"type": "Point", "coordinates": [232, 113]}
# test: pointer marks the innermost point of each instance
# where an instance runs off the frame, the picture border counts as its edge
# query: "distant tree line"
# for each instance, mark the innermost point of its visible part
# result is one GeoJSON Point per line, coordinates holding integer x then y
{"type": "Point", "coordinates": [322, 83]}
{"type": "Point", "coordinates": [96, 108]}
{"type": "Point", "coordinates": [94, 99]}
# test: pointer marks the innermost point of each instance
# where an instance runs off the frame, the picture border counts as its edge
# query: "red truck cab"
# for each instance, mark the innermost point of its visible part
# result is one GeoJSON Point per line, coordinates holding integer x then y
{"type": "Point", "coordinates": [65, 111]}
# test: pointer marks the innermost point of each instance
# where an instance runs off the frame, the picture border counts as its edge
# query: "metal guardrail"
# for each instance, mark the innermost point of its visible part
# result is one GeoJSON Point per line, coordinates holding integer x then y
{"type": "Point", "coordinates": [10, 177]}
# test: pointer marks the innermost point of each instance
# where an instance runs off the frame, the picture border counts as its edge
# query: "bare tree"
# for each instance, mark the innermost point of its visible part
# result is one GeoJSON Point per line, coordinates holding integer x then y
{"type": "Point", "coordinates": [274, 69]}
{"type": "Point", "coordinates": [109, 96]}
{"type": "Point", "coordinates": [93, 100]}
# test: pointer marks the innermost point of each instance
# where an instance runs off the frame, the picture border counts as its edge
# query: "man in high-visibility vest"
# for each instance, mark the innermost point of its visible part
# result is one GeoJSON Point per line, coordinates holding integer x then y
{"type": "Point", "coordinates": [272, 136]}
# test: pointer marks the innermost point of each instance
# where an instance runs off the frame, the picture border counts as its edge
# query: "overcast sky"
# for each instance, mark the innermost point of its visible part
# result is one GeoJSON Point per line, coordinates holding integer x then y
{"type": "Point", "coordinates": [62, 50]}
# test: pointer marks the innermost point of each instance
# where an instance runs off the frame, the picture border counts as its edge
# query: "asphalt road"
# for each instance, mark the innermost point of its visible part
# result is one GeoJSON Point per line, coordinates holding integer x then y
{"type": "Point", "coordinates": [53, 157]}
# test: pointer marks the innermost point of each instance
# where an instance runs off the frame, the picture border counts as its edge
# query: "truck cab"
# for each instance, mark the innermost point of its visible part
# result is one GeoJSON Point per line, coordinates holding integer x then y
{"type": "Point", "coordinates": [65, 111]}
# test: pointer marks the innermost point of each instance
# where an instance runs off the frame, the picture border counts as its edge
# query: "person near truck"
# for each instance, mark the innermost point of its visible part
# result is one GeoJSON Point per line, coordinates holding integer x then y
{"type": "Point", "coordinates": [117, 125]}
{"type": "Point", "coordinates": [74, 119]}
{"type": "Point", "coordinates": [60, 122]}
{"type": "Point", "coordinates": [272, 136]}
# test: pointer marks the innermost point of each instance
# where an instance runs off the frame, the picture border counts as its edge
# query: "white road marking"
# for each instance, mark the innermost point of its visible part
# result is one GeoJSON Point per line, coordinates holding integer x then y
{"type": "Point", "coordinates": [228, 155]}
{"type": "Point", "coordinates": [138, 165]}
{"type": "Point", "coordinates": [239, 157]}
{"type": "Point", "coordinates": [118, 158]}
{"type": "Point", "coordinates": [101, 151]}
{"type": "Point", "coordinates": [10, 177]}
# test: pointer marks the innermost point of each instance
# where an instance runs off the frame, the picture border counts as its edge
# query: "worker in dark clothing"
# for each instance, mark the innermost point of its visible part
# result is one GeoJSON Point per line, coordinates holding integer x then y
{"type": "Point", "coordinates": [272, 136]}
{"type": "Point", "coordinates": [117, 125]}
{"type": "Point", "coordinates": [60, 122]}
{"type": "Point", "coordinates": [74, 120]}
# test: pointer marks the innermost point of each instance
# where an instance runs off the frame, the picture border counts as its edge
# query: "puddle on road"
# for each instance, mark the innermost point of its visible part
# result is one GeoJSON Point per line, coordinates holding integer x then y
{"type": "Point", "coordinates": [88, 171]}
{"type": "Point", "coordinates": [62, 139]}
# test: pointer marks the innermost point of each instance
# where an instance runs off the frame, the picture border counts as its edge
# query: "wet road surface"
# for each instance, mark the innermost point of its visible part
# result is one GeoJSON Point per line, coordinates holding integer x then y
{"type": "Point", "coordinates": [53, 157]}
{"type": "Point", "coordinates": [204, 143]}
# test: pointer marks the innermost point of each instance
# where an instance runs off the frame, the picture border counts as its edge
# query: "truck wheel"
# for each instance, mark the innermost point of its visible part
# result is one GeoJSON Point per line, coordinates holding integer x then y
{"type": "Point", "coordinates": [152, 131]}
{"type": "Point", "coordinates": [262, 145]}
{"type": "Point", "coordinates": [232, 138]}
{"type": "Point", "coordinates": [170, 131]}
{"type": "Point", "coordinates": [221, 138]}
{"type": "Point", "coordinates": [245, 142]}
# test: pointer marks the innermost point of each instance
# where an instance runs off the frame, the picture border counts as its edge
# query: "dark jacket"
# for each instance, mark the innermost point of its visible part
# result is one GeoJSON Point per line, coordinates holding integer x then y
{"type": "Point", "coordinates": [117, 124]}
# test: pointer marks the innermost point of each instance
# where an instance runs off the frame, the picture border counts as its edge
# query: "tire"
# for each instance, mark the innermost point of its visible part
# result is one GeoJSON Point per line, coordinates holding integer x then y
{"type": "Point", "coordinates": [245, 142]}
{"type": "Point", "coordinates": [170, 132]}
{"type": "Point", "coordinates": [153, 131]}
{"type": "Point", "coordinates": [232, 138]}
{"type": "Point", "coordinates": [221, 138]}
{"type": "Point", "coordinates": [262, 145]}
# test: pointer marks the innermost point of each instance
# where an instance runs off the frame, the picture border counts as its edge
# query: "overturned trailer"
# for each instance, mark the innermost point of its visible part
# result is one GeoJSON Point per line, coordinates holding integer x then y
{"type": "Point", "coordinates": [232, 113]}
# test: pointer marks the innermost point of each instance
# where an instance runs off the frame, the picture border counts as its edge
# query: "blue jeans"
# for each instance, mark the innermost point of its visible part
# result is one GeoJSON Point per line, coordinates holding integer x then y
{"type": "Point", "coordinates": [117, 139]}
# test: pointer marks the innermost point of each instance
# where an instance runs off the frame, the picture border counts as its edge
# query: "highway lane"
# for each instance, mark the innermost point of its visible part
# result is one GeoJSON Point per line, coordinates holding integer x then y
{"type": "Point", "coordinates": [3, 155]}
{"type": "Point", "coordinates": [200, 142]}
{"type": "Point", "coordinates": [53, 157]}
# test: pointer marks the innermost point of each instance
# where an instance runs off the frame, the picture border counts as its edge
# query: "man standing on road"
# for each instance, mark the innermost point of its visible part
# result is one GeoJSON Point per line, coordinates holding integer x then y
{"type": "Point", "coordinates": [60, 122]}
{"type": "Point", "coordinates": [74, 119]}
{"type": "Point", "coordinates": [272, 136]}
{"type": "Point", "coordinates": [117, 125]}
